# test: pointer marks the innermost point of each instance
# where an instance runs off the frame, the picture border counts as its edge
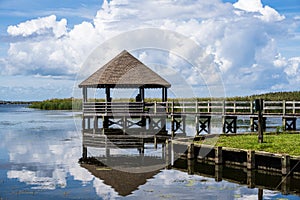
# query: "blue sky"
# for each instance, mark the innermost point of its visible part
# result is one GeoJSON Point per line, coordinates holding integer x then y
{"type": "Point", "coordinates": [17, 11]}
{"type": "Point", "coordinates": [253, 45]}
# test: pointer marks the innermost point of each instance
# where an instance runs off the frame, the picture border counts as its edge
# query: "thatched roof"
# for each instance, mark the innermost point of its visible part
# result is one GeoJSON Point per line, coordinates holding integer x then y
{"type": "Point", "coordinates": [125, 71]}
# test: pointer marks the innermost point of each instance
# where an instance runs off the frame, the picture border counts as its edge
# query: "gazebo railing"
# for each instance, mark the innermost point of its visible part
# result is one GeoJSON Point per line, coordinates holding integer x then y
{"type": "Point", "coordinates": [113, 107]}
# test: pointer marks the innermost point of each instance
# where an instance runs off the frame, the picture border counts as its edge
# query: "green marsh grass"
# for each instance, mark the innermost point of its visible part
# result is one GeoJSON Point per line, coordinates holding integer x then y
{"type": "Point", "coordinates": [282, 143]}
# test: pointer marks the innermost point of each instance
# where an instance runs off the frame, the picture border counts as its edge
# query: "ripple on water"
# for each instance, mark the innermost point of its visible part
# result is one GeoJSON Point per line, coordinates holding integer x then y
{"type": "Point", "coordinates": [8, 123]}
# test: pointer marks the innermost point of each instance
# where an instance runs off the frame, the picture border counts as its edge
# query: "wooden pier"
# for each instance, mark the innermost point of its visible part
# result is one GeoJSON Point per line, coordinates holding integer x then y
{"type": "Point", "coordinates": [132, 124]}
{"type": "Point", "coordinates": [152, 117]}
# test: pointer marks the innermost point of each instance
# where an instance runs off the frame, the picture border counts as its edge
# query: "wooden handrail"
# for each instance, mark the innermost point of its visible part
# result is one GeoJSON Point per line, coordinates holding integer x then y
{"type": "Point", "coordinates": [193, 107]}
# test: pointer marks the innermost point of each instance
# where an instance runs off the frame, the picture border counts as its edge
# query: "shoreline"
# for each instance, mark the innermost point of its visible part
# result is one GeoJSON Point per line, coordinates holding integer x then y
{"type": "Point", "coordinates": [252, 159]}
{"type": "Point", "coordinates": [274, 142]}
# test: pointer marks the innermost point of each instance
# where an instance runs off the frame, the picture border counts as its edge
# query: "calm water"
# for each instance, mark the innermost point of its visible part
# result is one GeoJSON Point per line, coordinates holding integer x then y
{"type": "Point", "coordinates": [39, 152]}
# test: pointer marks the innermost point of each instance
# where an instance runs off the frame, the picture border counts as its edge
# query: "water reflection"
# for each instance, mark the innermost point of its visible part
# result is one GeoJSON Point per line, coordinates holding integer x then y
{"type": "Point", "coordinates": [124, 183]}
{"type": "Point", "coordinates": [219, 177]}
{"type": "Point", "coordinates": [38, 160]}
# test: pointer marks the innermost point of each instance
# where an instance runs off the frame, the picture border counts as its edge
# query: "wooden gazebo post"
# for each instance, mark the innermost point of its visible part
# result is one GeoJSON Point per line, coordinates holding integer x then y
{"type": "Point", "coordinates": [108, 106]}
{"type": "Point", "coordinates": [164, 100]}
{"type": "Point", "coordinates": [107, 91]}
{"type": "Point", "coordinates": [164, 94]}
{"type": "Point", "coordinates": [84, 100]}
{"type": "Point", "coordinates": [84, 94]}
{"type": "Point", "coordinates": [142, 93]}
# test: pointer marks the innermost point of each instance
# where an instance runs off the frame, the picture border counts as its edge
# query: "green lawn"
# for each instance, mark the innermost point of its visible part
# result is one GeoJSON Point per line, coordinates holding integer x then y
{"type": "Point", "coordinates": [280, 143]}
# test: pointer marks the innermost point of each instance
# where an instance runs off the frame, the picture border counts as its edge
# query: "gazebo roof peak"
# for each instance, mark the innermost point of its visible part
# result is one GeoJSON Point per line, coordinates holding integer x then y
{"type": "Point", "coordinates": [125, 71]}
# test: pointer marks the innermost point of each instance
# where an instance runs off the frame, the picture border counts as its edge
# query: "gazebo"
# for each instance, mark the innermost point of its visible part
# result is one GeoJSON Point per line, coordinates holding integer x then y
{"type": "Point", "coordinates": [125, 71]}
{"type": "Point", "coordinates": [122, 119]}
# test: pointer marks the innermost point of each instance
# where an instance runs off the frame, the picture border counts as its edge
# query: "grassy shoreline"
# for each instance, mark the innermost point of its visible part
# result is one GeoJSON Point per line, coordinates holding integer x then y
{"type": "Point", "coordinates": [58, 104]}
{"type": "Point", "coordinates": [283, 143]}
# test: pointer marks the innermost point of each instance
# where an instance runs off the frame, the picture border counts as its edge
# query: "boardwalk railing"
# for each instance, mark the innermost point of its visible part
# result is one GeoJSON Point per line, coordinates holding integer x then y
{"type": "Point", "coordinates": [192, 107]}
{"type": "Point", "coordinates": [113, 107]}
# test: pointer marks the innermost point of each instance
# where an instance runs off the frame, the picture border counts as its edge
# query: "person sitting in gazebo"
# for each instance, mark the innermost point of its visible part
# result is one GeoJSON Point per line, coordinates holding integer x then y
{"type": "Point", "coordinates": [138, 98]}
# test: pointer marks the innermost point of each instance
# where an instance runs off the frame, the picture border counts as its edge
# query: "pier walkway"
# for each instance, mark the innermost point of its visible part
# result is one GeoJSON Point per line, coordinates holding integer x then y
{"type": "Point", "coordinates": [153, 116]}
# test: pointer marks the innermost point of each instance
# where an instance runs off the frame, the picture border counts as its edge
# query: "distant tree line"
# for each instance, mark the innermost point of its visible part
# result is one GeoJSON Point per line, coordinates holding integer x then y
{"type": "Point", "coordinates": [76, 104]}
{"type": "Point", "coordinates": [271, 96]}
{"type": "Point", "coordinates": [15, 102]}
{"type": "Point", "coordinates": [277, 96]}
{"type": "Point", "coordinates": [58, 104]}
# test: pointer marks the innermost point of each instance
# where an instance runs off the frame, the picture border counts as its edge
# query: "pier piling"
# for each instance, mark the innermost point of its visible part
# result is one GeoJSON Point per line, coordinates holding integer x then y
{"type": "Point", "coordinates": [250, 159]}
{"type": "Point", "coordinates": [285, 164]}
{"type": "Point", "coordinates": [218, 155]}
{"type": "Point", "coordinates": [190, 150]}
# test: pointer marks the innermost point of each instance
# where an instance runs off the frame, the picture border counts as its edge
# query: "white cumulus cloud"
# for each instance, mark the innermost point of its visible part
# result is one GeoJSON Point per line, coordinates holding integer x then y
{"type": "Point", "coordinates": [39, 26]}
{"type": "Point", "coordinates": [266, 12]}
{"type": "Point", "coordinates": [238, 41]}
